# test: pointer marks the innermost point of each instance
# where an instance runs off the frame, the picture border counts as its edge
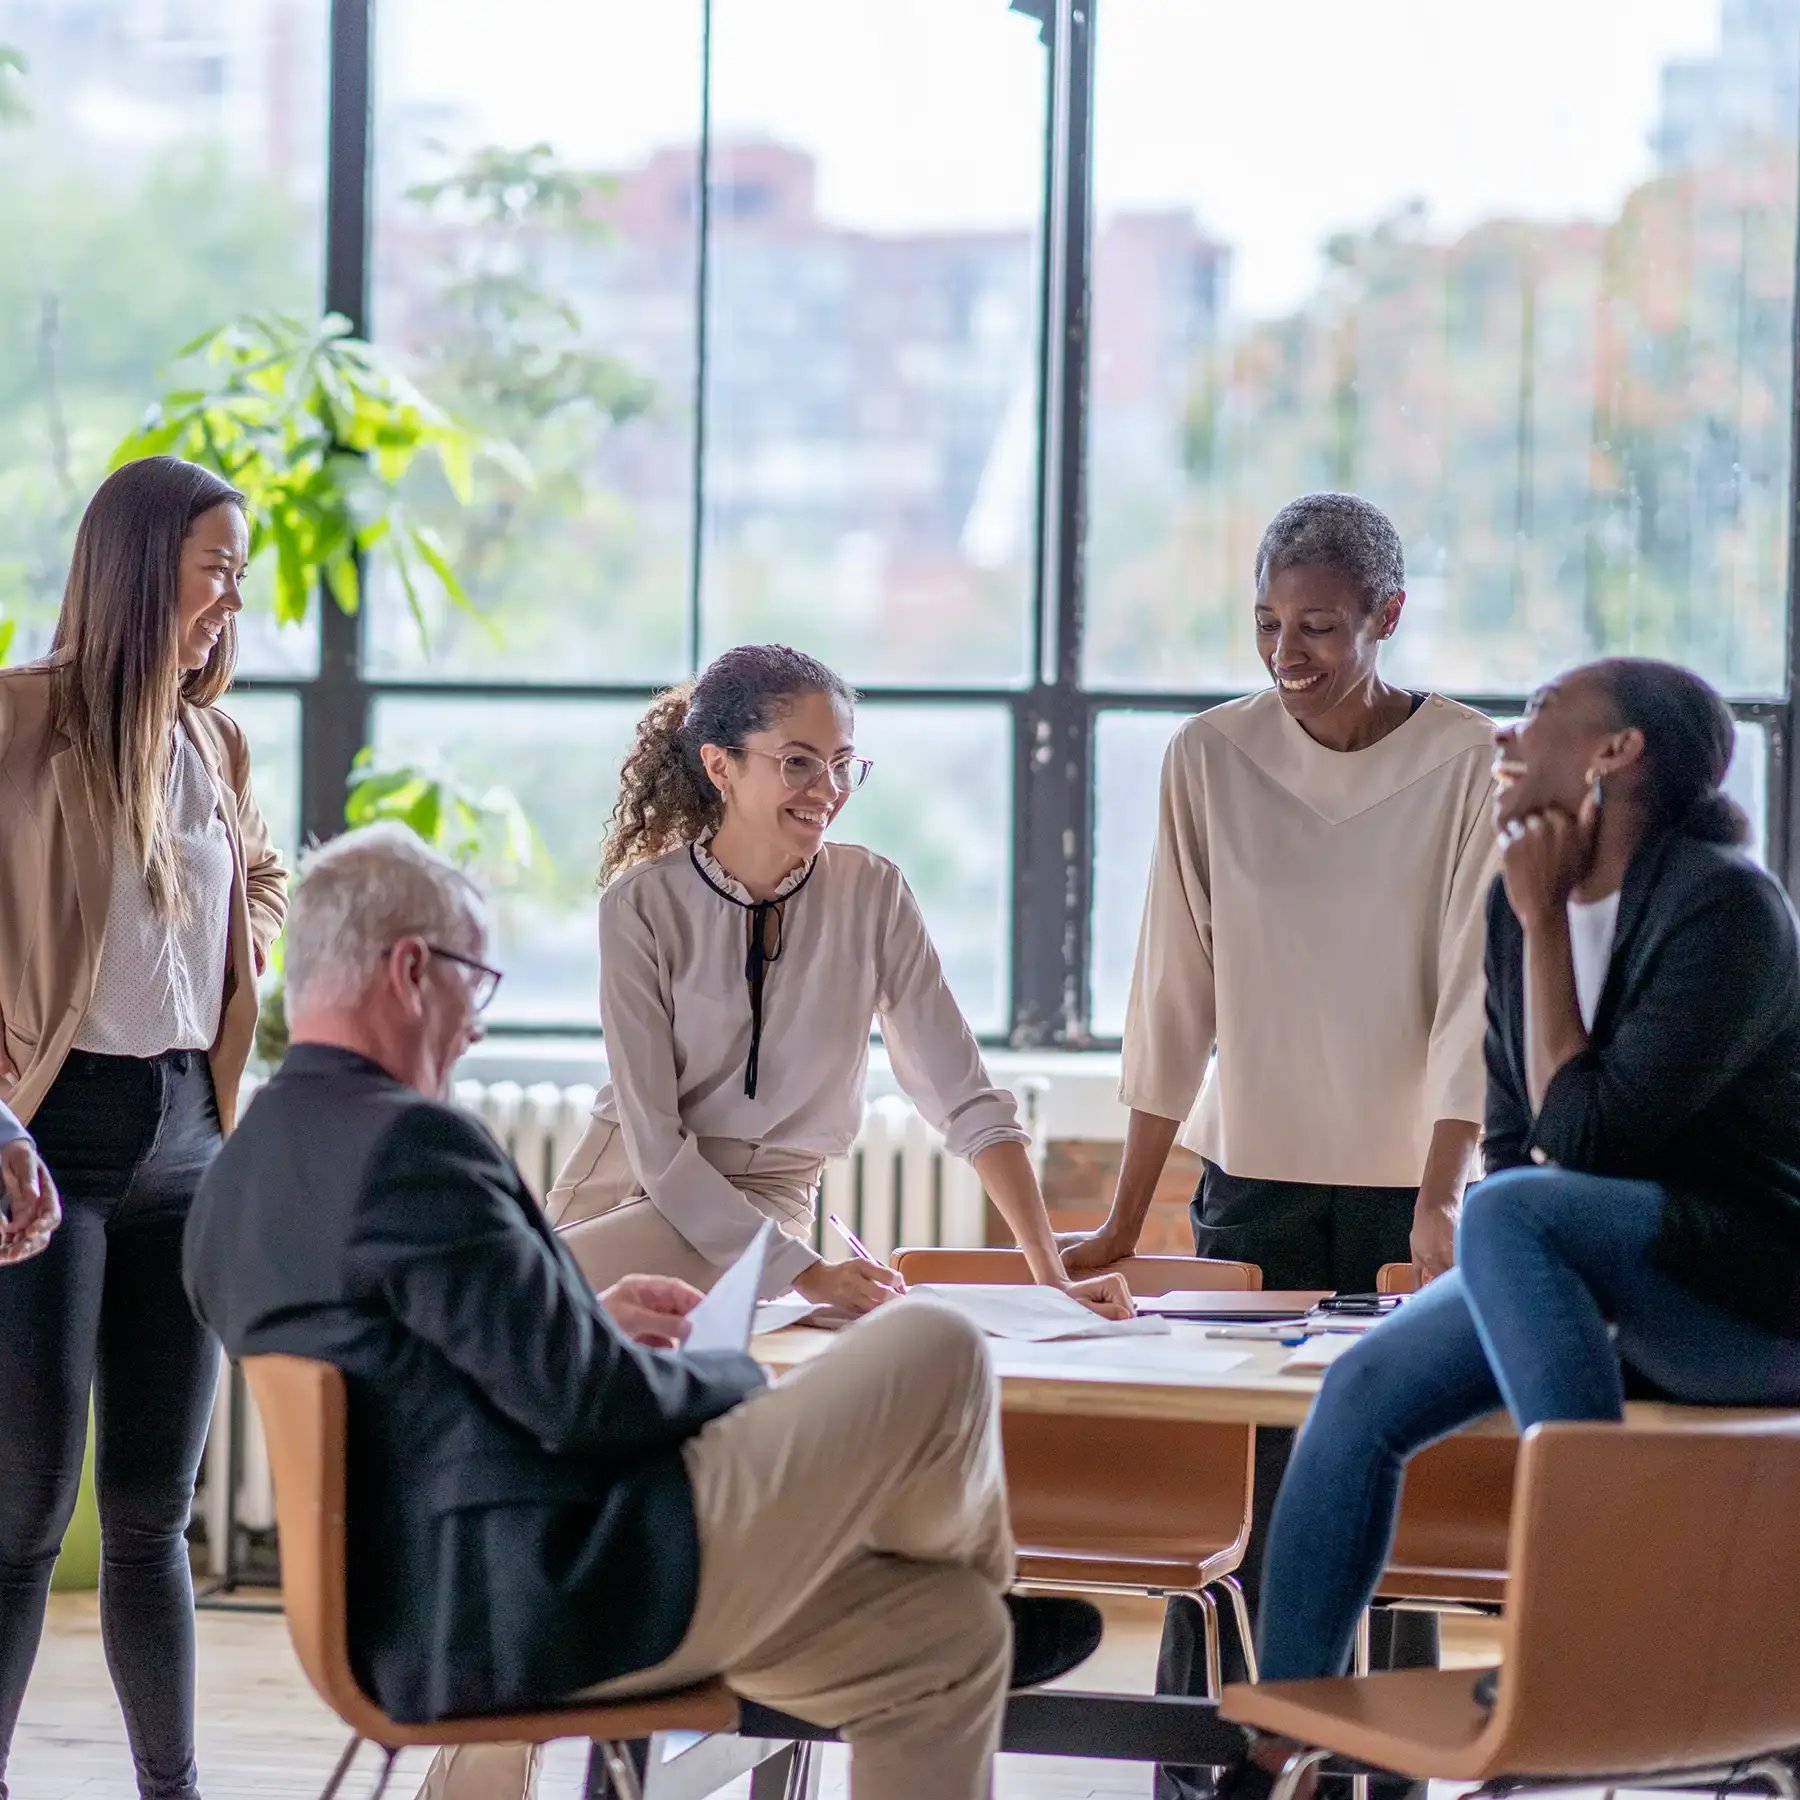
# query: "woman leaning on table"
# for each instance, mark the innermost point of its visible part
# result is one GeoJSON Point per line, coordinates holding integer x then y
{"type": "Point", "coordinates": [744, 960]}
{"type": "Point", "coordinates": [1314, 915]}
{"type": "Point", "coordinates": [138, 897]}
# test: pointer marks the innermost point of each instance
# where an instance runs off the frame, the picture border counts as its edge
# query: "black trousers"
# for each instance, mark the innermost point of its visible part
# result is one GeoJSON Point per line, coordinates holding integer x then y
{"type": "Point", "coordinates": [103, 1308]}
{"type": "Point", "coordinates": [1301, 1236]}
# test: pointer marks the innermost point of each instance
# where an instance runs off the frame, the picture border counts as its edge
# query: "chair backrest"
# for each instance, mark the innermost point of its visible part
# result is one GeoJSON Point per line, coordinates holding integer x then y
{"type": "Point", "coordinates": [1653, 1619]}
{"type": "Point", "coordinates": [1450, 1543]}
{"type": "Point", "coordinates": [1111, 1490]}
{"type": "Point", "coordinates": [1147, 1275]}
{"type": "Point", "coordinates": [305, 1419]}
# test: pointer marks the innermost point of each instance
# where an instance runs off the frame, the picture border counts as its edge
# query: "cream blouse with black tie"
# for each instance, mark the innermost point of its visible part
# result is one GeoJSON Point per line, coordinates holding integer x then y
{"type": "Point", "coordinates": [676, 1007]}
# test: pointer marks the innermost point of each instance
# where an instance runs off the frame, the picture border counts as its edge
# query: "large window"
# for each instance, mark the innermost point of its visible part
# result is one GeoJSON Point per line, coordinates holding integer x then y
{"type": "Point", "coordinates": [969, 344]}
{"type": "Point", "coordinates": [1523, 276]}
{"type": "Point", "coordinates": [160, 166]}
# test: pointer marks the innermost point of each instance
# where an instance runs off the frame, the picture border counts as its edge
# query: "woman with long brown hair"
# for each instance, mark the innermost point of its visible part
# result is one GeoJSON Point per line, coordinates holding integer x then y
{"type": "Point", "coordinates": [743, 961]}
{"type": "Point", "coordinates": [139, 894]}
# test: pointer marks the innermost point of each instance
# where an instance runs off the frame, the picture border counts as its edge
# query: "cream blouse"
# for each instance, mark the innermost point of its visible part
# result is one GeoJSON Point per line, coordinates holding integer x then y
{"type": "Point", "coordinates": [1317, 916]}
{"type": "Point", "coordinates": [160, 984]}
{"type": "Point", "coordinates": [676, 1007]}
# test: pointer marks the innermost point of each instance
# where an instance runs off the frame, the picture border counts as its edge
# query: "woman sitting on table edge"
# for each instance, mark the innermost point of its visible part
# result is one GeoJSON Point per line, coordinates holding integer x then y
{"type": "Point", "coordinates": [743, 962]}
{"type": "Point", "coordinates": [1642, 1205]}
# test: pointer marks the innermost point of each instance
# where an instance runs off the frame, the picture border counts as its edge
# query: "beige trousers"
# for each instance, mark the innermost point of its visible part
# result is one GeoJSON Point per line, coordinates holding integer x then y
{"type": "Point", "coordinates": [611, 1228]}
{"type": "Point", "coordinates": [854, 1551]}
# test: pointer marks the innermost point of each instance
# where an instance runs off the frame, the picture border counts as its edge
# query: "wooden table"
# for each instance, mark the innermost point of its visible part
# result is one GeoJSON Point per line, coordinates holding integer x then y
{"type": "Point", "coordinates": [1142, 1378]}
{"type": "Point", "coordinates": [1117, 1378]}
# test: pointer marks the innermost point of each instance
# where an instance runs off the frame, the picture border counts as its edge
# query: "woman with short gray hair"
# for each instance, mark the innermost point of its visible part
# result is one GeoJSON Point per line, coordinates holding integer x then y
{"type": "Point", "coordinates": [1314, 916]}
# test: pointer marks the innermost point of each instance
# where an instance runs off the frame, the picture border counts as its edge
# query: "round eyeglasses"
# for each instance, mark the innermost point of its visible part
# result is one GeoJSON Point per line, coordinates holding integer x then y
{"type": "Point", "coordinates": [801, 770]}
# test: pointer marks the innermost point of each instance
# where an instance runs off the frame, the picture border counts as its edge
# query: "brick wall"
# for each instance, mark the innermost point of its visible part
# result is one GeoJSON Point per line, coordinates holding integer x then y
{"type": "Point", "coordinates": [1078, 1183]}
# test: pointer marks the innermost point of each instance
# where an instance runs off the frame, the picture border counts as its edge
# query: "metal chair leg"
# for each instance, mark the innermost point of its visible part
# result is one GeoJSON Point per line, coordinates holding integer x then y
{"type": "Point", "coordinates": [1782, 1776]}
{"type": "Point", "coordinates": [341, 1770]}
{"type": "Point", "coordinates": [1293, 1772]}
{"type": "Point", "coordinates": [1240, 1610]}
{"type": "Point", "coordinates": [1215, 1666]}
{"type": "Point", "coordinates": [387, 1769]}
{"type": "Point", "coordinates": [621, 1772]}
{"type": "Point", "coordinates": [1360, 1657]}
{"type": "Point", "coordinates": [803, 1772]}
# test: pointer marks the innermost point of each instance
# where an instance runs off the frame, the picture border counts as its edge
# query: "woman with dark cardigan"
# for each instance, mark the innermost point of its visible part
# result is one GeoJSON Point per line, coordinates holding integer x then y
{"type": "Point", "coordinates": [1643, 1142]}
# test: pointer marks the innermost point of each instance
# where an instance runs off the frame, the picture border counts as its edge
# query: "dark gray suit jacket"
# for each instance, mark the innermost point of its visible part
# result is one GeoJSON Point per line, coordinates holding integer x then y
{"type": "Point", "coordinates": [520, 1522]}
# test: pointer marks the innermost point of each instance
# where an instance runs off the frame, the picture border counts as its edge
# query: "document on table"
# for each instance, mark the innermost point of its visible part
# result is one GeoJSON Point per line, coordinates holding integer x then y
{"type": "Point", "coordinates": [722, 1320]}
{"type": "Point", "coordinates": [1320, 1351]}
{"type": "Point", "coordinates": [1172, 1355]}
{"type": "Point", "coordinates": [778, 1315]}
{"type": "Point", "coordinates": [1035, 1315]}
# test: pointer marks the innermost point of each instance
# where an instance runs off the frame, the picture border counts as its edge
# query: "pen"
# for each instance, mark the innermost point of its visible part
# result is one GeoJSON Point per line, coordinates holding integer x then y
{"type": "Point", "coordinates": [857, 1246]}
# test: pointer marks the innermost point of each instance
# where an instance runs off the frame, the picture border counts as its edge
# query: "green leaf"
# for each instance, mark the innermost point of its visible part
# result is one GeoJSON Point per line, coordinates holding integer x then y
{"type": "Point", "coordinates": [346, 584]}
{"type": "Point", "coordinates": [431, 547]}
{"type": "Point", "coordinates": [403, 568]}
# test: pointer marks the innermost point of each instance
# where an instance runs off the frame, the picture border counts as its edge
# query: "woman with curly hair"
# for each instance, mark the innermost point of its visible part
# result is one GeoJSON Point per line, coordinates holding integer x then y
{"type": "Point", "coordinates": [743, 961]}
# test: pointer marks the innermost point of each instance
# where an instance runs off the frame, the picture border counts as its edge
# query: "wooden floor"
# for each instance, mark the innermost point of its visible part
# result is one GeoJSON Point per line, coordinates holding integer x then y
{"type": "Point", "coordinates": [263, 1736]}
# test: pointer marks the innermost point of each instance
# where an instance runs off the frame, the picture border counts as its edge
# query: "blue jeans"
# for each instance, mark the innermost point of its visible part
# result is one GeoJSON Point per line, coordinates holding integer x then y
{"type": "Point", "coordinates": [1546, 1261]}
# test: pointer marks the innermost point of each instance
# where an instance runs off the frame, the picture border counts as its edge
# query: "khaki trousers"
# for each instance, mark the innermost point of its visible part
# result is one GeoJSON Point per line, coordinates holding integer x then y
{"type": "Point", "coordinates": [854, 1551]}
{"type": "Point", "coordinates": [612, 1230]}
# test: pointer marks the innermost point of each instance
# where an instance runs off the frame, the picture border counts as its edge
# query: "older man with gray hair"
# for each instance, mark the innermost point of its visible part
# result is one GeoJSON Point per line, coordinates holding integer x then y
{"type": "Point", "coordinates": [548, 1496]}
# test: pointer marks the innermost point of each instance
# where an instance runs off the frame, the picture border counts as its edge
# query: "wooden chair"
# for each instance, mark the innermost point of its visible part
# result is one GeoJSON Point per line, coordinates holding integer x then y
{"type": "Point", "coordinates": [1652, 1628]}
{"type": "Point", "coordinates": [1124, 1504]}
{"type": "Point", "coordinates": [303, 1412]}
{"type": "Point", "coordinates": [1450, 1541]}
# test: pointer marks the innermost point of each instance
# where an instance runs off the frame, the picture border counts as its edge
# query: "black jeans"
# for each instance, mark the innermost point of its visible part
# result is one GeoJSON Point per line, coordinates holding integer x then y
{"type": "Point", "coordinates": [103, 1307]}
{"type": "Point", "coordinates": [1300, 1236]}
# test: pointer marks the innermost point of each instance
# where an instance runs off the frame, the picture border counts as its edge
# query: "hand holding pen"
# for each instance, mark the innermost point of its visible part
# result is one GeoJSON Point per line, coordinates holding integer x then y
{"type": "Point", "coordinates": [854, 1287]}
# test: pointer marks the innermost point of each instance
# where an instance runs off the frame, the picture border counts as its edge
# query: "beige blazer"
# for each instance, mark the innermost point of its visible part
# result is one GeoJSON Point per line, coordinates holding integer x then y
{"type": "Point", "coordinates": [56, 878]}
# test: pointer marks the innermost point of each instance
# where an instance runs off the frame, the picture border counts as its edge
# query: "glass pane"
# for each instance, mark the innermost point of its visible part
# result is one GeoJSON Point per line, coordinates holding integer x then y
{"type": "Point", "coordinates": [534, 268]}
{"type": "Point", "coordinates": [1538, 306]}
{"type": "Point", "coordinates": [1128, 756]}
{"type": "Point", "coordinates": [161, 169]}
{"type": "Point", "coordinates": [939, 804]}
{"type": "Point", "coordinates": [872, 363]}
{"type": "Point", "coordinates": [1128, 753]}
{"type": "Point", "coordinates": [272, 724]}
{"type": "Point", "coordinates": [560, 759]}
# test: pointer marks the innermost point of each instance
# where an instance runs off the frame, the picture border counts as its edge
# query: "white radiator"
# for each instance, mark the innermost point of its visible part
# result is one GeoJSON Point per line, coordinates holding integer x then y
{"type": "Point", "coordinates": [895, 1187]}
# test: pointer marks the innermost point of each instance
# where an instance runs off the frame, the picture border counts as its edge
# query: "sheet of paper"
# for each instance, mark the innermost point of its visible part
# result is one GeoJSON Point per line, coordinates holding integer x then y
{"type": "Point", "coordinates": [1035, 1315]}
{"type": "Point", "coordinates": [722, 1320]}
{"type": "Point", "coordinates": [1320, 1351]}
{"type": "Point", "coordinates": [1159, 1355]}
{"type": "Point", "coordinates": [777, 1315]}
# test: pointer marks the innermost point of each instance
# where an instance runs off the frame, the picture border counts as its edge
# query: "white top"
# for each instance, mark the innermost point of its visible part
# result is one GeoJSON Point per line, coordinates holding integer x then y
{"type": "Point", "coordinates": [10, 1128]}
{"type": "Point", "coordinates": [1592, 925]}
{"type": "Point", "coordinates": [160, 984]}
{"type": "Point", "coordinates": [675, 1005]}
{"type": "Point", "coordinates": [1319, 917]}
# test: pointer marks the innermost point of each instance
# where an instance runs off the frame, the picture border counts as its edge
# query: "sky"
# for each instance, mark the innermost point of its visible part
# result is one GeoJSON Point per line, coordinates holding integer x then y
{"type": "Point", "coordinates": [1276, 122]}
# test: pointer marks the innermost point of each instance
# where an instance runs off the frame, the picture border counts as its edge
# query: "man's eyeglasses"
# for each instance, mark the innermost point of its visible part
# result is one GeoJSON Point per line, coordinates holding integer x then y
{"type": "Point", "coordinates": [800, 770]}
{"type": "Point", "coordinates": [487, 979]}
